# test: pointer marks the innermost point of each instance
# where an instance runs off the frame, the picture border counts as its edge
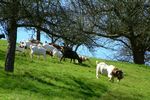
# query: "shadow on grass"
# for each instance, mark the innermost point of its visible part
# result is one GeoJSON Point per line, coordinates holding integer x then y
{"type": "Point", "coordinates": [84, 65]}
{"type": "Point", "coordinates": [120, 95]}
{"type": "Point", "coordinates": [2, 55]}
{"type": "Point", "coordinates": [62, 87]}
{"type": "Point", "coordinates": [71, 86]}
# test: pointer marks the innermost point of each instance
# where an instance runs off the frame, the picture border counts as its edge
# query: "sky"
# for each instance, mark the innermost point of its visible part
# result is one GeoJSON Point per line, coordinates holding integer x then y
{"type": "Point", "coordinates": [23, 34]}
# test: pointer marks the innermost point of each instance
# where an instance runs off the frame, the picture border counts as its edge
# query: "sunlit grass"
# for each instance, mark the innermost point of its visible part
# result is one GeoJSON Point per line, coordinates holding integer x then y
{"type": "Point", "coordinates": [49, 79]}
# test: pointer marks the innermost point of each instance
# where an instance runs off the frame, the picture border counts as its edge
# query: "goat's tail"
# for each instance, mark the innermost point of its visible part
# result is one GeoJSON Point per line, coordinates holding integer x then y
{"type": "Point", "coordinates": [97, 62]}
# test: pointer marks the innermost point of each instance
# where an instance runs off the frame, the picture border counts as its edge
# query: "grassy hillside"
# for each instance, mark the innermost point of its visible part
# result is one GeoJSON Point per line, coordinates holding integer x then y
{"type": "Point", "coordinates": [51, 80]}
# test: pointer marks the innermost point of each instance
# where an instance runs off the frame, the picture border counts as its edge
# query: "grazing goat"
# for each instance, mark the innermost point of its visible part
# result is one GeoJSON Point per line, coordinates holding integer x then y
{"type": "Point", "coordinates": [20, 48]}
{"type": "Point", "coordinates": [48, 47]}
{"type": "Point", "coordinates": [109, 70]}
{"type": "Point", "coordinates": [83, 58]}
{"type": "Point", "coordinates": [60, 48]}
{"type": "Point", "coordinates": [57, 53]}
{"type": "Point", "coordinates": [55, 45]}
{"type": "Point", "coordinates": [2, 36]}
{"type": "Point", "coordinates": [38, 50]}
{"type": "Point", "coordinates": [25, 44]}
{"type": "Point", "coordinates": [53, 50]}
{"type": "Point", "coordinates": [72, 55]}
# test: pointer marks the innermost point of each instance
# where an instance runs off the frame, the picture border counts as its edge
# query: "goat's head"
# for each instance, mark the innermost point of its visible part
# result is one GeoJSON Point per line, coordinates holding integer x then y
{"type": "Point", "coordinates": [117, 73]}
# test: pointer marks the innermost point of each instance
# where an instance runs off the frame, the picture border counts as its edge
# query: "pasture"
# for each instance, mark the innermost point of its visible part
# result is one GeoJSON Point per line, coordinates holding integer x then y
{"type": "Point", "coordinates": [49, 79]}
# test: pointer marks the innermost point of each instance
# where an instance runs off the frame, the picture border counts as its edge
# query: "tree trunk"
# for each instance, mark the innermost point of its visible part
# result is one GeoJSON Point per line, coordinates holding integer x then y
{"type": "Point", "coordinates": [138, 53]}
{"type": "Point", "coordinates": [138, 57]}
{"type": "Point", "coordinates": [38, 35]}
{"type": "Point", "coordinates": [12, 36]}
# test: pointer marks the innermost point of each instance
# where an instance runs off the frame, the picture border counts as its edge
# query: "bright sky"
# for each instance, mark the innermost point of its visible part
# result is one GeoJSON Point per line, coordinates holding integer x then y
{"type": "Point", "coordinates": [99, 52]}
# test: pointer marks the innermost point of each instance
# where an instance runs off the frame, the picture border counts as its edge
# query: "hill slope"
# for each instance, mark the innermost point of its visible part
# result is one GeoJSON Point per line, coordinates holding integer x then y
{"type": "Point", "coordinates": [51, 80]}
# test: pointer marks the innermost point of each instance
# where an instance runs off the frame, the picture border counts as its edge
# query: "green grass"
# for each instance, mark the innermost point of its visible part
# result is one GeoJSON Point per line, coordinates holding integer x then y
{"type": "Point", "coordinates": [51, 80]}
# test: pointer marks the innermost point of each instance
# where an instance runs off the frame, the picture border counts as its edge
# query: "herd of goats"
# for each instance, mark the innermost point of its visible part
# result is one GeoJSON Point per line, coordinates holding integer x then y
{"type": "Point", "coordinates": [38, 48]}
{"type": "Point", "coordinates": [62, 52]}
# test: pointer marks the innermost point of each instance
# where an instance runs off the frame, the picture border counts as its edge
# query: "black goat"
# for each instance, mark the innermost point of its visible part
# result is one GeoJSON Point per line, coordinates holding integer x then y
{"type": "Point", "coordinates": [72, 55]}
{"type": "Point", "coordinates": [2, 36]}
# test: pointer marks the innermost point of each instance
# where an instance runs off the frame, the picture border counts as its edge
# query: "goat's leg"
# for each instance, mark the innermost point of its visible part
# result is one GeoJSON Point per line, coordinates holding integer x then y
{"type": "Point", "coordinates": [44, 56]}
{"type": "Point", "coordinates": [61, 58]}
{"type": "Point", "coordinates": [31, 55]}
{"type": "Point", "coordinates": [71, 60]}
{"type": "Point", "coordinates": [111, 78]}
{"type": "Point", "coordinates": [97, 72]}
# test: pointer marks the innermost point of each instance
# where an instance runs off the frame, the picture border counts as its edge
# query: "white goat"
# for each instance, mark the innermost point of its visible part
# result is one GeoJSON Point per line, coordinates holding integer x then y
{"type": "Point", "coordinates": [57, 53]}
{"type": "Point", "coordinates": [48, 47]}
{"type": "Point", "coordinates": [109, 70]}
{"type": "Point", "coordinates": [20, 49]}
{"type": "Point", "coordinates": [83, 58]}
{"type": "Point", "coordinates": [25, 43]}
{"type": "Point", "coordinates": [37, 50]}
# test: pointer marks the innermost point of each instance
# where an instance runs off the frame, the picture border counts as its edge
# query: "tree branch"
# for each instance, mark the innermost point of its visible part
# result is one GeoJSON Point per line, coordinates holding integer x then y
{"type": "Point", "coordinates": [46, 31]}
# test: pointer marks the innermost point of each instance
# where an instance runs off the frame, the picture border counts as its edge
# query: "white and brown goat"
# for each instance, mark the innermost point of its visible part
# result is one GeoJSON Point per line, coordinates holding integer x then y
{"type": "Point", "coordinates": [109, 70]}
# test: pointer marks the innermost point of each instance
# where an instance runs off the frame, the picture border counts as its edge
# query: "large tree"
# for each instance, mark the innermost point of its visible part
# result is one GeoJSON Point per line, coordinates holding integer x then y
{"type": "Point", "coordinates": [46, 16]}
{"type": "Point", "coordinates": [13, 13]}
{"type": "Point", "coordinates": [9, 18]}
{"type": "Point", "coordinates": [114, 19]}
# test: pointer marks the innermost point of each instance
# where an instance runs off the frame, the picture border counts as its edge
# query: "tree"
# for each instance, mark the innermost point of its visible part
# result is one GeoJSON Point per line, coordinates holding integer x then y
{"type": "Point", "coordinates": [33, 14]}
{"type": "Point", "coordinates": [13, 12]}
{"type": "Point", "coordinates": [126, 18]}
{"type": "Point", "coordinates": [10, 11]}
{"type": "Point", "coordinates": [74, 20]}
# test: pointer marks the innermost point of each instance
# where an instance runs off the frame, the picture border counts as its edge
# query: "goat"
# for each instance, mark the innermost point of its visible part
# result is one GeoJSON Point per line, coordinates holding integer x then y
{"type": "Point", "coordinates": [72, 55]}
{"type": "Point", "coordinates": [57, 53]}
{"type": "Point", "coordinates": [20, 48]}
{"type": "Point", "coordinates": [60, 48]}
{"type": "Point", "coordinates": [53, 50]}
{"type": "Point", "coordinates": [2, 36]}
{"type": "Point", "coordinates": [109, 70]}
{"type": "Point", "coordinates": [55, 45]}
{"type": "Point", "coordinates": [27, 43]}
{"type": "Point", "coordinates": [48, 47]}
{"type": "Point", "coordinates": [38, 50]}
{"type": "Point", "coordinates": [83, 58]}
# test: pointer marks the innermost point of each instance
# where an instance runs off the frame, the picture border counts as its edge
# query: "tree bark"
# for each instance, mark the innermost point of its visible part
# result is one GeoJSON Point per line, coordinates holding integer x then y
{"type": "Point", "coordinates": [138, 57]}
{"type": "Point", "coordinates": [138, 53]}
{"type": "Point", "coordinates": [38, 34]}
{"type": "Point", "coordinates": [12, 36]}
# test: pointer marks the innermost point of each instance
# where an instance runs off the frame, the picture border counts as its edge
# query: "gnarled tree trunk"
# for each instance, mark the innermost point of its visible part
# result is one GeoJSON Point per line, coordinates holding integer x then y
{"type": "Point", "coordinates": [12, 36]}
{"type": "Point", "coordinates": [138, 52]}
{"type": "Point", "coordinates": [138, 56]}
{"type": "Point", "coordinates": [38, 34]}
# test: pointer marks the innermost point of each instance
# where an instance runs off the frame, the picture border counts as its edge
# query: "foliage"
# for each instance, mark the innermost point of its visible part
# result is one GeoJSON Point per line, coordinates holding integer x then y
{"type": "Point", "coordinates": [114, 19]}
